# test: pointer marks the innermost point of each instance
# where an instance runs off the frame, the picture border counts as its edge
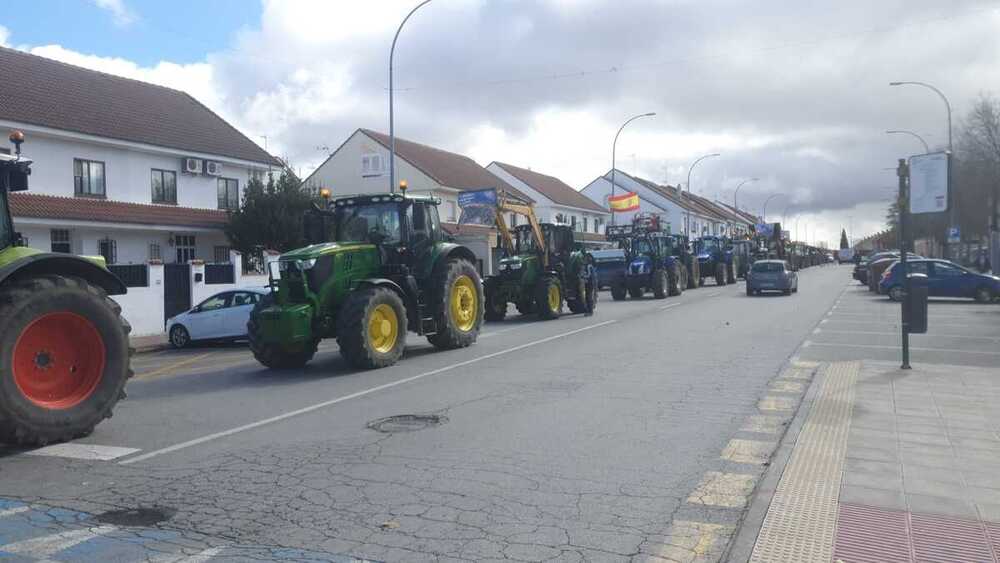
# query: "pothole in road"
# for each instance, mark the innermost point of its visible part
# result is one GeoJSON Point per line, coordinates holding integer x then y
{"type": "Point", "coordinates": [136, 516]}
{"type": "Point", "coordinates": [406, 422]}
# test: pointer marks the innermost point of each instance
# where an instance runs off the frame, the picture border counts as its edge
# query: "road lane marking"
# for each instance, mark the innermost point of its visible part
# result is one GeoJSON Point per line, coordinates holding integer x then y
{"type": "Point", "coordinates": [912, 348]}
{"type": "Point", "coordinates": [200, 557]}
{"type": "Point", "coordinates": [496, 332]}
{"type": "Point", "coordinates": [816, 330]}
{"type": "Point", "coordinates": [173, 366]}
{"type": "Point", "coordinates": [670, 305]}
{"type": "Point", "coordinates": [89, 452]}
{"type": "Point", "coordinates": [748, 451]}
{"type": "Point", "coordinates": [714, 294]}
{"type": "Point", "coordinates": [13, 511]}
{"type": "Point", "coordinates": [729, 490]}
{"type": "Point", "coordinates": [324, 404]}
{"type": "Point", "coordinates": [45, 546]}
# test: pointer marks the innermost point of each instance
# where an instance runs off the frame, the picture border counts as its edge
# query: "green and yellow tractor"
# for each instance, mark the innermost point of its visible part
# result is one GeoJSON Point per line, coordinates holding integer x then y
{"type": "Point", "coordinates": [540, 268]}
{"type": "Point", "coordinates": [64, 349]}
{"type": "Point", "coordinates": [379, 266]}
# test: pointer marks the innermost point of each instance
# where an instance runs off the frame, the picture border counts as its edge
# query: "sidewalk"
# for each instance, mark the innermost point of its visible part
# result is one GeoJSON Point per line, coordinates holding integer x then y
{"type": "Point", "coordinates": [887, 466]}
{"type": "Point", "coordinates": [144, 344]}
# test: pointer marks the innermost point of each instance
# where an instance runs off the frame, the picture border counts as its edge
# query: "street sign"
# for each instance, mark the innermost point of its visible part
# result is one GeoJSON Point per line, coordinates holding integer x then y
{"type": "Point", "coordinates": [954, 235]}
{"type": "Point", "coordinates": [929, 183]}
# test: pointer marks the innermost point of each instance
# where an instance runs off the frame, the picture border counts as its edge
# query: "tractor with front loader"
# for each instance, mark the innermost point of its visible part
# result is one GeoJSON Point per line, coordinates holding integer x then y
{"type": "Point", "coordinates": [540, 268]}
{"type": "Point", "coordinates": [64, 349]}
{"type": "Point", "coordinates": [651, 264]}
{"type": "Point", "coordinates": [378, 266]}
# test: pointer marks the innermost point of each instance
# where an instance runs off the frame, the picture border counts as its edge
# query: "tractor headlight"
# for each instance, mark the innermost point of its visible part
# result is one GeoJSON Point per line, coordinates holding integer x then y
{"type": "Point", "coordinates": [514, 265]}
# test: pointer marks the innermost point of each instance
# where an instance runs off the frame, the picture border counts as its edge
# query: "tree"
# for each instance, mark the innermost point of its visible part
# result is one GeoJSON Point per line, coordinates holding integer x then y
{"type": "Point", "coordinates": [843, 239]}
{"type": "Point", "coordinates": [270, 215]}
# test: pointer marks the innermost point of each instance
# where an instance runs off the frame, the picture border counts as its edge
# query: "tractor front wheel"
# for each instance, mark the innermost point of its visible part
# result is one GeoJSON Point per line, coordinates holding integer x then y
{"type": "Point", "coordinates": [618, 291]}
{"type": "Point", "coordinates": [64, 359]}
{"type": "Point", "coordinates": [371, 328]}
{"type": "Point", "coordinates": [636, 291]}
{"type": "Point", "coordinates": [548, 297]}
{"type": "Point", "coordinates": [676, 287]}
{"type": "Point", "coordinates": [496, 303]}
{"type": "Point", "coordinates": [730, 274]}
{"type": "Point", "coordinates": [276, 356]}
{"type": "Point", "coordinates": [720, 274]}
{"type": "Point", "coordinates": [460, 308]}
{"type": "Point", "coordinates": [661, 284]}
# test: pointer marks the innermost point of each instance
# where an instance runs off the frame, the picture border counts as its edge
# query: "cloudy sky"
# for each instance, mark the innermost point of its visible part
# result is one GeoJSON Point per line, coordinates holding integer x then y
{"type": "Point", "coordinates": [791, 92]}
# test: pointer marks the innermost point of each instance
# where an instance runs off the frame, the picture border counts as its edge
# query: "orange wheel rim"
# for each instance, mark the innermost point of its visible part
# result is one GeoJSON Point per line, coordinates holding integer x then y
{"type": "Point", "coordinates": [59, 360]}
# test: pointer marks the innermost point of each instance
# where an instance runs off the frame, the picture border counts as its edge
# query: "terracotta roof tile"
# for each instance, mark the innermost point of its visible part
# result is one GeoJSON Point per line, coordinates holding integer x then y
{"type": "Point", "coordinates": [49, 93]}
{"type": "Point", "coordinates": [85, 209]}
{"type": "Point", "coordinates": [552, 188]}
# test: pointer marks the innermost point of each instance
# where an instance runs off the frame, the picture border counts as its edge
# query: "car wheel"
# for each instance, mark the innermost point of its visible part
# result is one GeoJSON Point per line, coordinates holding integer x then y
{"type": "Point", "coordinates": [179, 337]}
{"type": "Point", "coordinates": [896, 293]}
{"type": "Point", "coordinates": [984, 295]}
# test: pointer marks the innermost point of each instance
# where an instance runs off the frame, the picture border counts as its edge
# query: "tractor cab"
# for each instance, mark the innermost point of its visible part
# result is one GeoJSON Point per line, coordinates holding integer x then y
{"type": "Point", "coordinates": [14, 172]}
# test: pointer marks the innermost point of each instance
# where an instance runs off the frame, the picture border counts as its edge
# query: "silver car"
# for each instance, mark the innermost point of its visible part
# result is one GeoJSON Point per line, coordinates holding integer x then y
{"type": "Point", "coordinates": [772, 275]}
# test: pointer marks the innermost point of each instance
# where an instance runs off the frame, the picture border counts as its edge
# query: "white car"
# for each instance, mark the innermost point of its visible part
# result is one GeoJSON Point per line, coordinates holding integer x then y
{"type": "Point", "coordinates": [222, 316]}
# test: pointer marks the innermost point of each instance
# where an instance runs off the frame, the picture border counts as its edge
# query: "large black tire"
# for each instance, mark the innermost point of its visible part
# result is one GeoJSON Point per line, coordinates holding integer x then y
{"type": "Point", "coordinates": [676, 287]}
{"type": "Point", "coordinates": [576, 306]}
{"type": "Point", "coordinates": [526, 307]}
{"type": "Point", "coordinates": [546, 310]}
{"type": "Point", "coordinates": [720, 274]}
{"type": "Point", "coordinates": [730, 274]}
{"type": "Point", "coordinates": [618, 291]}
{"type": "Point", "coordinates": [636, 291]}
{"type": "Point", "coordinates": [275, 356]}
{"type": "Point", "coordinates": [358, 331]}
{"type": "Point", "coordinates": [694, 275]}
{"type": "Point", "coordinates": [450, 334]}
{"type": "Point", "coordinates": [496, 305]}
{"type": "Point", "coordinates": [661, 284]}
{"type": "Point", "coordinates": [750, 292]}
{"type": "Point", "coordinates": [37, 416]}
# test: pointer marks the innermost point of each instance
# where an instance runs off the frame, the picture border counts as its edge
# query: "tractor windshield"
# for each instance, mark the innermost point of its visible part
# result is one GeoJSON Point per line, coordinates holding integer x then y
{"type": "Point", "coordinates": [524, 241]}
{"type": "Point", "coordinates": [642, 246]}
{"type": "Point", "coordinates": [707, 244]}
{"type": "Point", "coordinates": [375, 222]}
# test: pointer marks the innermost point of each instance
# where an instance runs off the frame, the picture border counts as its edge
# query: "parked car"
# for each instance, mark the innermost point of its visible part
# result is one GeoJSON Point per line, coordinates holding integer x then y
{"type": "Point", "coordinates": [222, 316]}
{"type": "Point", "coordinates": [878, 267]}
{"type": "Point", "coordinates": [772, 275]}
{"type": "Point", "coordinates": [944, 279]}
{"type": "Point", "coordinates": [861, 266]}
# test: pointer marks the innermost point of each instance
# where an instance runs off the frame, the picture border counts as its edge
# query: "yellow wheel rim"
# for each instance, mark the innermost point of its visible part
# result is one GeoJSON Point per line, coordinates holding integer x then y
{"type": "Point", "coordinates": [383, 329]}
{"type": "Point", "coordinates": [464, 303]}
{"type": "Point", "coordinates": [554, 297]}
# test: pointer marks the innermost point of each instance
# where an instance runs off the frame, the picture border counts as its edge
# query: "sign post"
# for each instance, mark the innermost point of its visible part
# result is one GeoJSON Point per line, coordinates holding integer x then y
{"type": "Point", "coordinates": [903, 172]}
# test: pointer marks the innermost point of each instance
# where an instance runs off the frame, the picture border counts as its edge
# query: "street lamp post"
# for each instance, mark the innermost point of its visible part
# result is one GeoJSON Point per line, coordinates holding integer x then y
{"type": "Point", "coordinates": [927, 148]}
{"type": "Point", "coordinates": [392, 125]}
{"type": "Point", "coordinates": [784, 215]}
{"type": "Point", "coordinates": [763, 212]}
{"type": "Point", "coordinates": [687, 216]}
{"type": "Point", "coordinates": [738, 191]}
{"type": "Point", "coordinates": [614, 145]}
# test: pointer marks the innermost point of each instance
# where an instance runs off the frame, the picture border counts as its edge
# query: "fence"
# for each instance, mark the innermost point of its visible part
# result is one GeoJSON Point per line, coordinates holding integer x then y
{"type": "Point", "coordinates": [133, 275]}
{"type": "Point", "coordinates": [216, 274]}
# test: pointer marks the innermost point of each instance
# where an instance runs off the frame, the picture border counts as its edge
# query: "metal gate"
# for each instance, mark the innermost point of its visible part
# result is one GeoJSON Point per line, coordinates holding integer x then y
{"type": "Point", "coordinates": [176, 289]}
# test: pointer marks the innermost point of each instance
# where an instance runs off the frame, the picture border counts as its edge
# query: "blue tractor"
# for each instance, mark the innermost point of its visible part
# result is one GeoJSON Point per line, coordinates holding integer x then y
{"type": "Point", "coordinates": [681, 250]}
{"type": "Point", "coordinates": [650, 261]}
{"type": "Point", "coordinates": [716, 258]}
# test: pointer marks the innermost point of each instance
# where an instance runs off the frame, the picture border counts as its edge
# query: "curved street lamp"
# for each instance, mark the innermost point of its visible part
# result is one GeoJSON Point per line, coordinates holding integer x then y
{"type": "Point", "coordinates": [687, 217]}
{"type": "Point", "coordinates": [614, 145]}
{"type": "Point", "coordinates": [738, 190]}
{"type": "Point", "coordinates": [944, 98]}
{"type": "Point", "coordinates": [392, 128]}
{"type": "Point", "coordinates": [763, 213]}
{"type": "Point", "coordinates": [927, 148]}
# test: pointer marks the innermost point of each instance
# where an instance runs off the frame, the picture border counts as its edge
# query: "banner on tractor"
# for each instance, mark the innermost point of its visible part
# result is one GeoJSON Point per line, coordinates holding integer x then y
{"type": "Point", "coordinates": [478, 207]}
{"type": "Point", "coordinates": [624, 203]}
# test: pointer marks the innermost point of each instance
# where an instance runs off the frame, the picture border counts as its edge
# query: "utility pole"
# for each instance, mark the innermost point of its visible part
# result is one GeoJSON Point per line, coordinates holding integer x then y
{"type": "Point", "coordinates": [904, 219]}
{"type": "Point", "coordinates": [392, 124]}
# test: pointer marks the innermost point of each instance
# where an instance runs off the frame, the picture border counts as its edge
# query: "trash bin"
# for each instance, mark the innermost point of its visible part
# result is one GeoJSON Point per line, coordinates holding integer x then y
{"type": "Point", "coordinates": [916, 303]}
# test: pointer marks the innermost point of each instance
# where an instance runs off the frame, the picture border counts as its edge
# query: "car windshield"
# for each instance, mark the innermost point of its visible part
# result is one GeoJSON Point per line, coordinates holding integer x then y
{"type": "Point", "coordinates": [375, 222]}
{"type": "Point", "coordinates": [762, 267]}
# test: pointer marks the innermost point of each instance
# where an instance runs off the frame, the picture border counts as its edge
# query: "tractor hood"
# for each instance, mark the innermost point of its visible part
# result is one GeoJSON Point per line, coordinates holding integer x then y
{"type": "Point", "coordinates": [516, 262]}
{"type": "Point", "coordinates": [640, 265]}
{"type": "Point", "coordinates": [324, 249]}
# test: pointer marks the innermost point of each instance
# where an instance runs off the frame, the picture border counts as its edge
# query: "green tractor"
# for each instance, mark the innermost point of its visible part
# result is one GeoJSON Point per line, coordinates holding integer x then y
{"type": "Point", "coordinates": [540, 269]}
{"type": "Point", "coordinates": [379, 265]}
{"type": "Point", "coordinates": [64, 349]}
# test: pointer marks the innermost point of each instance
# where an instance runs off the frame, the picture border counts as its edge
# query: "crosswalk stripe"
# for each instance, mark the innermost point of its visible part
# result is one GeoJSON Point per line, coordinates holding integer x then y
{"type": "Point", "coordinates": [13, 511]}
{"type": "Point", "coordinates": [54, 543]}
{"type": "Point", "coordinates": [200, 557]}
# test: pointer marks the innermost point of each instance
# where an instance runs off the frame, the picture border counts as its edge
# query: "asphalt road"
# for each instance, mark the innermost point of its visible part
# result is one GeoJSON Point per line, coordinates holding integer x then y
{"type": "Point", "coordinates": [576, 439]}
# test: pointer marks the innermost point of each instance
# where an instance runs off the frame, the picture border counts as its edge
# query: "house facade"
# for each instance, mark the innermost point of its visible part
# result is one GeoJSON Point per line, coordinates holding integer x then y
{"type": "Point", "coordinates": [555, 201]}
{"type": "Point", "coordinates": [360, 165]}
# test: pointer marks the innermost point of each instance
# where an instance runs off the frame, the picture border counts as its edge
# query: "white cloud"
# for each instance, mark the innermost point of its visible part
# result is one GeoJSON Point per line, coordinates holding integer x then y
{"type": "Point", "coordinates": [4, 36]}
{"type": "Point", "coordinates": [123, 16]}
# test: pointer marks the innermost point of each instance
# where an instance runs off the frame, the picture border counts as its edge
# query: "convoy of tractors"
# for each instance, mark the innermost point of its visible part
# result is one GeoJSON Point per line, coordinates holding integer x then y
{"type": "Point", "coordinates": [377, 267]}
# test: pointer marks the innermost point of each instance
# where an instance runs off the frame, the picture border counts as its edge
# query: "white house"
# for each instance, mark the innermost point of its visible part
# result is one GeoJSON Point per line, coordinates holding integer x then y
{"type": "Point", "coordinates": [132, 171]}
{"type": "Point", "coordinates": [360, 165]}
{"type": "Point", "coordinates": [555, 201]}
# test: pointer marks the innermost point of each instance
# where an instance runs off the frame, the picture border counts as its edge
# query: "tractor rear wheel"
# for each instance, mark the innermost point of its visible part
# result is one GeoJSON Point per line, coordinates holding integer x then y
{"type": "Point", "coordinates": [458, 314]}
{"type": "Point", "coordinates": [618, 291]}
{"type": "Point", "coordinates": [730, 274]}
{"type": "Point", "coordinates": [720, 274]}
{"type": "Point", "coordinates": [661, 284]}
{"type": "Point", "coordinates": [371, 328]}
{"type": "Point", "coordinates": [548, 297]}
{"type": "Point", "coordinates": [64, 359]}
{"type": "Point", "coordinates": [579, 304]}
{"type": "Point", "coordinates": [275, 356]}
{"type": "Point", "coordinates": [675, 281]}
{"type": "Point", "coordinates": [496, 303]}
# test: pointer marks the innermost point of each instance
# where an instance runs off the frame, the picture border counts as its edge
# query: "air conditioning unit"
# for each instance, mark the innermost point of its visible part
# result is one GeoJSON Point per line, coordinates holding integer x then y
{"type": "Point", "coordinates": [213, 168]}
{"type": "Point", "coordinates": [191, 165]}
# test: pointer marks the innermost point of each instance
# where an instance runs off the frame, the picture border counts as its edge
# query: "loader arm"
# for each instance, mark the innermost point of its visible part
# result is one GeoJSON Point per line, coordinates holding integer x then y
{"type": "Point", "coordinates": [504, 206]}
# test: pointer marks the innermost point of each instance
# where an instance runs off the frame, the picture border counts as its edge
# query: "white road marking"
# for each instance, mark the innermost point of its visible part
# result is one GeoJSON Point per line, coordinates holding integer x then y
{"type": "Point", "coordinates": [824, 321]}
{"type": "Point", "coordinates": [496, 332]}
{"type": "Point", "coordinates": [54, 543]}
{"type": "Point", "coordinates": [89, 452]}
{"type": "Point", "coordinates": [670, 305]}
{"type": "Point", "coordinates": [13, 511]}
{"type": "Point", "coordinates": [324, 404]}
{"type": "Point", "coordinates": [816, 330]}
{"type": "Point", "coordinates": [807, 343]}
{"type": "Point", "coordinates": [912, 348]}
{"type": "Point", "coordinates": [714, 294]}
{"type": "Point", "coordinates": [199, 557]}
{"type": "Point", "coordinates": [935, 335]}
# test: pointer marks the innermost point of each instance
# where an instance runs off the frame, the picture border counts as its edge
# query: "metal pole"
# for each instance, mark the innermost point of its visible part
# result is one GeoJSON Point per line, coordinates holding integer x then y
{"type": "Point", "coordinates": [763, 213]}
{"type": "Point", "coordinates": [392, 124]}
{"type": "Point", "coordinates": [614, 145]}
{"type": "Point", "coordinates": [927, 148]}
{"type": "Point", "coordinates": [687, 217]}
{"type": "Point", "coordinates": [904, 212]}
{"type": "Point", "coordinates": [738, 190]}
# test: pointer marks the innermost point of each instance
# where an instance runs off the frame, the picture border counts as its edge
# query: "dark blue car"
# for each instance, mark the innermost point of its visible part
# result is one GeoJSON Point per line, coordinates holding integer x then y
{"type": "Point", "coordinates": [610, 265]}
{"type": "Point", "coordinates": [944, 279]}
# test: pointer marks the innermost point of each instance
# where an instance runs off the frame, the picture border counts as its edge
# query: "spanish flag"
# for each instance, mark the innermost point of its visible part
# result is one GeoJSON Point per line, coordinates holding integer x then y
{"type": "Point", "coordinates": [623, 203]}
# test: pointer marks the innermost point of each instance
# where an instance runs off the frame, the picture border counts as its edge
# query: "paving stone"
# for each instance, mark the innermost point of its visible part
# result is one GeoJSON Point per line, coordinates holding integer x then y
{"type": "Point", "coordinates": [880, 498]}
{"type": "Point", "coordinates": [929, 504]}
{"type": "Point", "coordinates": [935, 488]}
{"type": "Point", "coordinates": [888, 469]}
{"type": "Point", "coordinates": [873, 454]}
{"type": "Point", "coordinates": [874, 480]}
{"type": "Point", "coordinates": [912, 438]}
{"type": "Point", "coordinates": [989, 479]}
{"type": "Point", "coordinates": [931, 474]}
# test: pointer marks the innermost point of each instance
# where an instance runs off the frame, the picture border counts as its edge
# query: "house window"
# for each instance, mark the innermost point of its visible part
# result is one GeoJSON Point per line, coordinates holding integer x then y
{"type": "Point", "coordinates": [221, 254]}
{"type": "Point", "coordinates": [572, 222]}
{"type": "Point", "coordinates": [372, 165]}
{"type": "Point", "coordinates": [164, 186]}
{"type": "Point", "coordinates": [108, 248]}
{"type": "Point", "coordinates": [185, 248]}
{"type": "Point", "coordinates": [584, 224]}
{"type": "Point", "coordinates": [60, 240]}
{"type": "Point", "coordinates": [88, 178]}
{"type": "Point", "coordinates": [154, 251]}
{"type": "Point", "coordinates": [229, 193]}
